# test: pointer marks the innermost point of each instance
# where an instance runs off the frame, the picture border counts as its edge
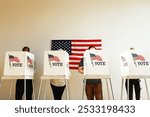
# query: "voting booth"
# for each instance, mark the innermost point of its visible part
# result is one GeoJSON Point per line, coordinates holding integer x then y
{"type": "Point", "coordinates": [96, 66]}
{"type": "Point", "coordinates": [56, 63]}
{"type": "Point", "coordinates": [56, 66]}
{"type": "Point", "coordinates": [18, 65]}
{"type": "Point", "coordinates": [135, 65]}
{"type": "Point", "coordinates": [96, 62]}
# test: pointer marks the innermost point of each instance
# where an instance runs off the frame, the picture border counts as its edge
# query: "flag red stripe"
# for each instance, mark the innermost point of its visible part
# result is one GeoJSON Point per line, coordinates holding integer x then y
{"type": "Point", "coordinates": [74, 63]}
{"type": "Point", "coordinates": [86, 45]}
{"type": "Point", "coordinates": [86, 40]}
{"type": "Point", "coordinates": [75, 58]}
{"type": "Point", "coordinates": [74, 68]}
{"type": "Point", "coordinates": [78, 49]}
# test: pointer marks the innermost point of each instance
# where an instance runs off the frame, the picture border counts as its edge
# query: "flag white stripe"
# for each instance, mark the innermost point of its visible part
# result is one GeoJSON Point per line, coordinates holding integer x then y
{"type": "Point", "coordinates": [73, 65]}
{"type": "Point", "coordinates": [79, 52]}
{"type": "Point", "coordinates": [74, 56]}
{"type": "Point", "coordinates": [74, 60]}
{"type": "Point", "coordinates": [86, 42]}
{"type": "Point", "coordinates": [81, 47]}
{"type": "Point", "coordinates": [75, 47]}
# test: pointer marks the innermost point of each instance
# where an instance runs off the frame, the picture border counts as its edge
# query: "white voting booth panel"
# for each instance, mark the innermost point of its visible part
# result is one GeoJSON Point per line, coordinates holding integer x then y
{"type": "Point", "coordinates": [18, 63]}
{"type": "Point", "coordinates": [135, 63]}
{"type": "Point", "coordinates": [56, 63]}
{"type": "Point", "coordinates": [56, 66]}
{"type": "Point", "coordinates": [96, 66]}
{"type": "Point", "coordinates": [96, 62]}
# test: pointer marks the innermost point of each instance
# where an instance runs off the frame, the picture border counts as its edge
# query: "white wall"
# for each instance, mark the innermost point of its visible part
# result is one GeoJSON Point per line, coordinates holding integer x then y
{"type": "Point", "coordinates": [119, 23]}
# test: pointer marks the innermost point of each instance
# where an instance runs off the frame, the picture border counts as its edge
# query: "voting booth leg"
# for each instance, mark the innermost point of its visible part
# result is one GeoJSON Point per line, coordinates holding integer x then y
{"type": "Point", "coordinates": [146, 89]}
{"type": "Point", "coordinates": [67, 94]}
{"type": "Point", "coordinates": [122, 88]}
{"type": "Point", "coordinates": [33, 90]}
{"type": "Point", "coordinates": [45, 89]}
{"type": "Point", "coordinates": [111, 88]}
{"type": "Point", "coordinates": [10, 89]}
{"type": "Point", "coordinates": [128, 89]}
{"type": "Point", "coordinates": [84, 83]}
{"type": "Point", "coordinates": [107, 89]}
{"type": "Point", "coordinates": [39, 90]}
{"type": "Point", "coordinates": [1, 82]}
{"type": "Point", "coordinates": [25, 89]}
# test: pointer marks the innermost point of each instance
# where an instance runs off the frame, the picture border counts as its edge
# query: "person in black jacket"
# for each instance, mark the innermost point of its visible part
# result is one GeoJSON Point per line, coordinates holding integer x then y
{"type": "Point", "coordinates": [133, 83]}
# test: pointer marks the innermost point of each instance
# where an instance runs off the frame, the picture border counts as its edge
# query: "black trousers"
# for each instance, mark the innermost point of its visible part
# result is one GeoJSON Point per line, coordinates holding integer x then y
{"type": "Point", "coordinates": [57, 91]}
{"type": "Point", "coordinates": [20, 89]}
{"type": "Point", "coordinates": [136, 84]}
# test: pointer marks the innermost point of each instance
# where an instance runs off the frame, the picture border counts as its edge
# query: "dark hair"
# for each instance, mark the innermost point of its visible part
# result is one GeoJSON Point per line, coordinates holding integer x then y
{"type": "Point", "coordinates": [91, 47]}
{"type": "Point", "coordinates": [131, 48]}
{"type": "Point", "coordinates": [23, 49]}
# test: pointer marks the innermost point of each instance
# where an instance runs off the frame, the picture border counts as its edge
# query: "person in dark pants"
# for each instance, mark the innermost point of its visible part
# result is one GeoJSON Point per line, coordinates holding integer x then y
{"type": "Point", "coordinates": [58, 87]}
{"type": "Point", "coordinates": [133, 83]}
{"type": "Point", "coordinates": [136, 84]}
{"type": "Point", "coordinates": [20, 85]}
{"type": "Point", "coordinates": [93, 86]}
{"type": "Point", "coordinates": [20, 89]}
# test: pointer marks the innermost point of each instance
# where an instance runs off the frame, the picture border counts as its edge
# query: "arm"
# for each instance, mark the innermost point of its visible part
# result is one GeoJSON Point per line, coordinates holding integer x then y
{"type": "Point", "coordinates": [80, 70]}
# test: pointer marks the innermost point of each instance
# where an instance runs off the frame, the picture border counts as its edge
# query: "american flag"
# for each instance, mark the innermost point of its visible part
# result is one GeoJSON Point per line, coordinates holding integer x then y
{"type": "Point", "coordinates": [13, 58]}
{"type": "Point", "coordinates": [29, 60]}
{"type": "Point", "coordinates": [95, 57]}
{"type": "Point", "coordinates": [53, 58]}
{"type": "Point", "coordinates": [75, 48]}
{"type": "Point", "coordinates": [138, 57]}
